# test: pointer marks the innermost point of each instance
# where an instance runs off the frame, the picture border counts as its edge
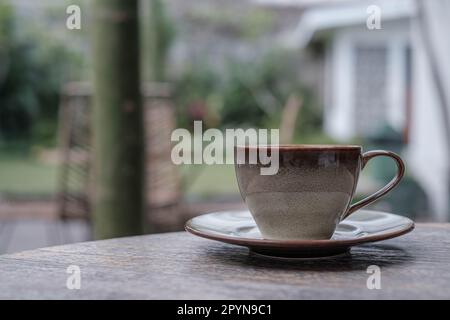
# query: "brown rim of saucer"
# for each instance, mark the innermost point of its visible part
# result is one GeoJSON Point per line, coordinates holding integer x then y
{"type": "Point", "coordinates": [268, 243]}
{"type": "Point", "coordinates": [312, 147]}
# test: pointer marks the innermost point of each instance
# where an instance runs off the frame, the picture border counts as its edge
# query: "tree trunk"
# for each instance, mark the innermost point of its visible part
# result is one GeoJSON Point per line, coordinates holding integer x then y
{"type": "Point", "coordinates": [117, 121]}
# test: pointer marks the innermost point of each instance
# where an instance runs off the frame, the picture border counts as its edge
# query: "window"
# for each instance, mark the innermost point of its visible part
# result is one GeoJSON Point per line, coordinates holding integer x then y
{"type": "Point", "coordinates": [370, 95]}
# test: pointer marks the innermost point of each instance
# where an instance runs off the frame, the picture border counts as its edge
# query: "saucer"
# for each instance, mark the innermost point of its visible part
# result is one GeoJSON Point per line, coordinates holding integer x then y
{"type": "Point", "coordinates": [239, 228]}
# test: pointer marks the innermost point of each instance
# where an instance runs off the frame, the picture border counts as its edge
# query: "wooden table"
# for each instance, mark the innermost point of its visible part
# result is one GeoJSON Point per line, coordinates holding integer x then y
{"type": "Point", "coordinates": [181, 266]}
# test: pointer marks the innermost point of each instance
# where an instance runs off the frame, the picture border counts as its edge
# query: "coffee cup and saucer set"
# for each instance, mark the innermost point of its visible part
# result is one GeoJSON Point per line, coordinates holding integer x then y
{"type": "Point", "coordinates": [305, 209]}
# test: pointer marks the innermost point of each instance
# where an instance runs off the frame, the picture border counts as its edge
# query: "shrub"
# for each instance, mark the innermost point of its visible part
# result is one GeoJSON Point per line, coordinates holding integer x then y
{"type": "Point", "coordinates": [31, 73]}
{"type": "Point", "coordinates": [247, 93]}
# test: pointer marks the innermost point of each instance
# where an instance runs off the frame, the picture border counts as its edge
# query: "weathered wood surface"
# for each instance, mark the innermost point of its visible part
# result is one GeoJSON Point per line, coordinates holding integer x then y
{"type": "Point", "coordinates": [181, 266]}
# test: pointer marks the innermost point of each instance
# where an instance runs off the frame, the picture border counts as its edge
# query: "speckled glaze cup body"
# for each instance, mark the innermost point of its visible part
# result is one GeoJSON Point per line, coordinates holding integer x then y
{"type": "Point", "coordinates": [311, 192]}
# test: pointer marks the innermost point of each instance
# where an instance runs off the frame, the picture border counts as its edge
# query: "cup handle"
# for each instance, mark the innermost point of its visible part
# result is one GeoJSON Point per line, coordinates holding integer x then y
{"type": "Point", "coordinates": [392, 184]}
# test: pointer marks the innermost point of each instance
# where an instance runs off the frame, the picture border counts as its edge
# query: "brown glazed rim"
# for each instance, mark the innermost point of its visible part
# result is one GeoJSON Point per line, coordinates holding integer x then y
{"type": "Point", "coordinates": [312, 147]}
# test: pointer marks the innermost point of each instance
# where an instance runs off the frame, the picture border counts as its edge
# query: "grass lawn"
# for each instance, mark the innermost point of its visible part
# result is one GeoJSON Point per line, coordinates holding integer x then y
{"type": "Point", "coordinates": [25, 175]}
{"type": "Point", "coordinates": [21, 174]}
{"type": "Point", "coordinates": [211, 181]}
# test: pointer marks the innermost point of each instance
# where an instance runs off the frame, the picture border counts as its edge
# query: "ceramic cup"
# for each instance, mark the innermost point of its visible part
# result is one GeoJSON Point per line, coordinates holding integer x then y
{"type": "Point", "coordinates": [312, 190]}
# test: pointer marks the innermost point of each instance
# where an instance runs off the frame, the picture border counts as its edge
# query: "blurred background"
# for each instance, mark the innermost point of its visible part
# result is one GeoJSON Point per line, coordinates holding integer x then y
{"type": "Point", "coordinates": [321, 71]}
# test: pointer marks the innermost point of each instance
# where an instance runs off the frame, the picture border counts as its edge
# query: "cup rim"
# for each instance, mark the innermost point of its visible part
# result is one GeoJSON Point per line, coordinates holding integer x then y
{"type": "Point", "coordinates": [303, 146]}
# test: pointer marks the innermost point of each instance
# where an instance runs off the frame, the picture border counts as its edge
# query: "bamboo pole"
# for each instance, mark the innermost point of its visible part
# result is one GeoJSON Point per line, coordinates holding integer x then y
{"type": "Point", "coordinates": [117, 121]}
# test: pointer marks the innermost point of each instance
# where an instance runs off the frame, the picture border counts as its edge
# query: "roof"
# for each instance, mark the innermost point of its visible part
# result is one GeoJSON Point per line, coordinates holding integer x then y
{"type": "Point", "coordinates": [319, 15]}
{"type": "Point", "coordinates": [297, 3]}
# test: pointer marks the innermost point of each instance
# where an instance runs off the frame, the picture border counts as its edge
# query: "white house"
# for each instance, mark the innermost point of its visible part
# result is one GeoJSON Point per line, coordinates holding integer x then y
{"type": "Point", "coordinates": [398, 74]}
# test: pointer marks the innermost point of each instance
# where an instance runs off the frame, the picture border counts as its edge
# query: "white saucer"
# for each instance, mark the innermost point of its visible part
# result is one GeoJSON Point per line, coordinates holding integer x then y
{"type": "Point", "coordinates": [239, 228]}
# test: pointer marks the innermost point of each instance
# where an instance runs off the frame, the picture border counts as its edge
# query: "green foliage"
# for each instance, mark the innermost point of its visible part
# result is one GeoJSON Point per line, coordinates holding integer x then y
{"type": "Point", "coordinates": [257, 23]}
{"type": "Point", "coordinates": [409, 199]}
{"type": "Point", "coordinates": [195, 86]}
{"type": "Point", "coordinates": [248, 94]}
{"type": "Point", "coordinates": [31, 73]}
{"type": "Point", "coordinates": [161, 34]}
{"type": "Point", "coordinates": [248, 24]}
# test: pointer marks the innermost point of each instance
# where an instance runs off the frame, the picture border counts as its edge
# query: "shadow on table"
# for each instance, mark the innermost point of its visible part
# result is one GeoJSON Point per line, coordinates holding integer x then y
{"type": "Point", "coordinates": [359, 258]}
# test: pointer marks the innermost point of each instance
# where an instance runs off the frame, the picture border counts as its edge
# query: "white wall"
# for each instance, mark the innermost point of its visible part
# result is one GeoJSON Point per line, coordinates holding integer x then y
{"type": "Point", "coordinates": [339, 119]}
{"type": "Point", "coordinates": [428, 151]}
{"type": "Point", "coordinates": [337, 113]}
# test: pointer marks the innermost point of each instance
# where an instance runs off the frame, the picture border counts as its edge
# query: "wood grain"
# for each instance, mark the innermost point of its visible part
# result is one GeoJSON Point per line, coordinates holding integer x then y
{"type": "Point", "coordinates": [182, 266]}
